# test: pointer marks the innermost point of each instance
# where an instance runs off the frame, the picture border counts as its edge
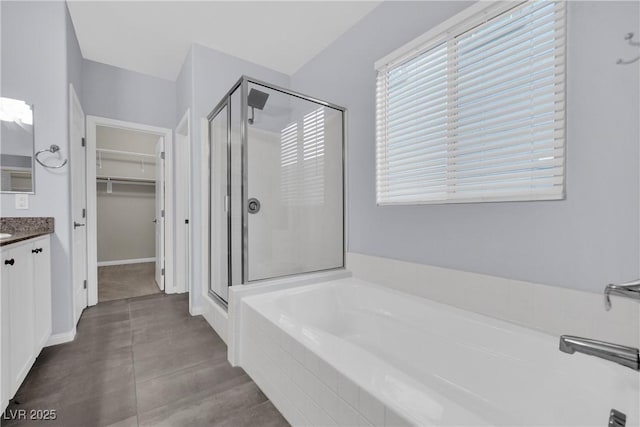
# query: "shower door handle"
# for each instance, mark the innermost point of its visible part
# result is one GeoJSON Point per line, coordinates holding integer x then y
{"type": "Point", "coordinates": [253, 205]}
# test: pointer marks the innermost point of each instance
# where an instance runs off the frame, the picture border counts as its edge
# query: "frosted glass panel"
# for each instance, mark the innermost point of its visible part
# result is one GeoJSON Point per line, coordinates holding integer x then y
{"type": "Point", "coordinates": [294, 159]}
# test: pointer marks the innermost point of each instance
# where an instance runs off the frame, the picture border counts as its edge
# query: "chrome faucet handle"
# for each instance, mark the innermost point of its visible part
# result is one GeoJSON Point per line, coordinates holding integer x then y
{"type": "Point", "coordinates": [628, 290]}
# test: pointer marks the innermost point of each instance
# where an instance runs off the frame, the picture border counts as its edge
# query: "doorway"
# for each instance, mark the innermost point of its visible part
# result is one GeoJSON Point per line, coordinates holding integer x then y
{"type": "Point", "coordinates": [130, 208]}
{"type": "Point", "coordinates": [130, 219]}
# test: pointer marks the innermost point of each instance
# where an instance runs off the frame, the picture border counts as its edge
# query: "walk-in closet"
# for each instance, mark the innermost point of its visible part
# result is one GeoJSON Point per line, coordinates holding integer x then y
{"type": "Point", "coordinates": [129, 205]}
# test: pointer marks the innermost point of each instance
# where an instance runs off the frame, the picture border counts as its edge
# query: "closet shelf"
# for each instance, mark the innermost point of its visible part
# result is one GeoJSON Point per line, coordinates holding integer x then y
{"type": "Point", "coordinates": [124, 153]}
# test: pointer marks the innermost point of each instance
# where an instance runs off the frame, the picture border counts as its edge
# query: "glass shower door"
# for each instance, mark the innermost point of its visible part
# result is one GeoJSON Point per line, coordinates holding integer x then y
{"type": "Point", "coordinates": [219, 204]}
{"type": "Point", "coordinates": [294, 187]}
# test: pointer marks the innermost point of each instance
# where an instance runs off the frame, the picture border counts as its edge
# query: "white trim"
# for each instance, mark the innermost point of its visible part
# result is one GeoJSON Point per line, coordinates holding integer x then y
{"type": "Point", "coordinates": [61, 338]}
{"type": "Point", "coordinates": [441, 30]}
{"type": "Point", "coordinates": [196, 310]}
{"type": "Point", "coordinates": [183, 184]}
{"type": "Point", "coordinates": [126, 261]}
{"type": "Point", "coordinates": [161, 223]}
{"type": "Point", "coordinates": [92, 250]}
{"type": "Point", "coordinates": [169, 232]}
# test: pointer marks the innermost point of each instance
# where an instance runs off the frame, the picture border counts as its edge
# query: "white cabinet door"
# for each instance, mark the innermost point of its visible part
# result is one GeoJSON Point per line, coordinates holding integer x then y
{"type": "Point", "coordinates": [20, 293]}
{"type": "Point", "coordinates": [4, 330]}
{"type": "Point", "coordinates": [25, 311]}
{"type": "Point", "coordinates": [41, 254]}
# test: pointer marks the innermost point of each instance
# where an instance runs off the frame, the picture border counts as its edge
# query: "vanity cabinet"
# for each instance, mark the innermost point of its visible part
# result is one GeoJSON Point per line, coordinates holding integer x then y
{"type": "Point", "coordinates": [25, 310]}
{"type": "Point", "coordinates": [41, 251]}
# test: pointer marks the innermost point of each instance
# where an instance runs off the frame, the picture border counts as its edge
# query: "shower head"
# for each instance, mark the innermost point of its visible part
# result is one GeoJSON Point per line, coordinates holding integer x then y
{"type": "Point", "coordinates": [257, 99]}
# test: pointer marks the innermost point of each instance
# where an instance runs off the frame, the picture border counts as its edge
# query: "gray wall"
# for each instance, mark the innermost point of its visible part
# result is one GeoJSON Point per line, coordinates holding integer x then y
{"type": "Point", "coordinates": [124, 223]}
{"type": "Point", "coordinates": [126, 95]}
{"type": "Point", "coordinates": [35, 68]}
{"type": "Point", "coordinates": [74, 58]}
{"type": "Point", "coordinates": [212, 75]}
{"type": "Point", "coordinates": [184, 87]}
{"type": "Point", "coordinates": [40, 57]}
{"type": "Point", "coordinates": [584, 242]}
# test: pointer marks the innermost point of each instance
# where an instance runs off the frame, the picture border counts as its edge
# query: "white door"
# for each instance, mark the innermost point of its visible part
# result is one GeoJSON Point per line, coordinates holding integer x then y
{"type": "Point", "coordinates": [41, 255]}
{"type": "Point", "coordinates": [21, 313]}
{"type": "Point", "coordinates": [160, 214]}
{"type": "Point", "coordinates": [79, 203]}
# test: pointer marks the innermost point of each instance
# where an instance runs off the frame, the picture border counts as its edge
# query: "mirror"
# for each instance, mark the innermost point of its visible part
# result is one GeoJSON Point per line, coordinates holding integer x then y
{"type": "Point", "coordinates": [16, 146]}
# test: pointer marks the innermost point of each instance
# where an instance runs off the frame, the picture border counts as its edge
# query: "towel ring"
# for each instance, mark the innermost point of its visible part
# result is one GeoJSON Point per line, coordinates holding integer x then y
{"type": "Point", "coordinates": [52, 149]}
{"type": "Point", "coordinates": [629, 38]}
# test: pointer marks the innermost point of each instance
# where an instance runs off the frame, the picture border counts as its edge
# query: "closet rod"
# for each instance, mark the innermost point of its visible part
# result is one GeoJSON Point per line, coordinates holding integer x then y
{"type": "Point", "coordinates": [130, 181]}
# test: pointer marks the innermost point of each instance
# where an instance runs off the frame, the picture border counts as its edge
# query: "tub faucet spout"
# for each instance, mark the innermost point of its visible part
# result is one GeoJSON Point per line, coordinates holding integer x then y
{"type": "Point", "coordinates": [625, 356]}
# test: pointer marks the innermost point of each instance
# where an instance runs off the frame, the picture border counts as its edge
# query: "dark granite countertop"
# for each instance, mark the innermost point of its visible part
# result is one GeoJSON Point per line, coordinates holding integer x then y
{"type": "Point", "coordinates": [24, 228]}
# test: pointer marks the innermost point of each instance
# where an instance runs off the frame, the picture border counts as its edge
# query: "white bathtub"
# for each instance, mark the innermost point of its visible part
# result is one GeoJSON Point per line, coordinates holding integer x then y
{"type": "Point", "coordinates": [349, 352]}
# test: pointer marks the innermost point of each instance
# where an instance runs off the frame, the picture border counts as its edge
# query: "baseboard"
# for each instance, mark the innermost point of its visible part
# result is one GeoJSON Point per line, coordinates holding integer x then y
{"type": "Point", "coordinates": [126, 261]}
{"type": "Point", "coordinates": [61, 338]}
{"type": "Point", "coordinates": [196, 311]}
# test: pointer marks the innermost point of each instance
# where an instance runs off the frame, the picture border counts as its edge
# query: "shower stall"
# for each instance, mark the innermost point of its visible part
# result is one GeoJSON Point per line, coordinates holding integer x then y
{"type": "Point", "coordinates": [276, 186]}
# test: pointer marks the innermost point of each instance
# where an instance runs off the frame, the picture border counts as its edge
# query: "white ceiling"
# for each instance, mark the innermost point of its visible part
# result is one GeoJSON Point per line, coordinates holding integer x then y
{"type": "Point", "coordinates": [153, 37]}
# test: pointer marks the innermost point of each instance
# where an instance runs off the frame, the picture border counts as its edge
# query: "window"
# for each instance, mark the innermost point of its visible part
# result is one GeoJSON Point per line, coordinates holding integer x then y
{"type": "Point", "coordinates": [288, 163]}
{"type": "Point", "coordinates": [313, 158]}
{"type": "Point", "coordinates": [302, 161]}
{"type": "Point", "coordinates": [474, 110]}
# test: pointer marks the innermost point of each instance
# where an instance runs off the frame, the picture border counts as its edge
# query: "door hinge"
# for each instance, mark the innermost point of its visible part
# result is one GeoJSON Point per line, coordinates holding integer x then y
{"type": "Point", "coordinates": [186, 221]}
{"type": "Point", "coordinates": [84, 142]}
{"type": "Point", "coordinates": [84, 213]}
{"type": "Point", "coordinates": [162, 213]}
{"type": "Point", "coordinates": [84, 284]}
{"type": "Point", "coordinates": [162, 271]}
{"type": "Point", "coordinates": [162, 155]}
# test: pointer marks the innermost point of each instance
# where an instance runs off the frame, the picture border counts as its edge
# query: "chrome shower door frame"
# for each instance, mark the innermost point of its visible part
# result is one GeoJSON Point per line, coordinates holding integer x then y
{"type": "Point", "coordinates": [224, 103]}
{"type": "Point", "coordinates": [243, 85]}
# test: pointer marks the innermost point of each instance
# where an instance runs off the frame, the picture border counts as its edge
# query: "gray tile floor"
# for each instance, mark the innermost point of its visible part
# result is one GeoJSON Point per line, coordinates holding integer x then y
{"type": "Point", "coordinates": [126, 281]}
{"type": "Point", "coordinates": [143, 362]}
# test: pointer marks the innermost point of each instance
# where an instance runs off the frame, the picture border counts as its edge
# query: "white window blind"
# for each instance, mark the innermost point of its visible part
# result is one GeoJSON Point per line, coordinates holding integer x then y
{"type": "Point", "coordinates": [288, 163]}
{"type": "Point", "coordinates": [313, 157]}
{"type": "Point", "coordinates": [302, 161]}
{"type": "Point", "coordinates": [476, 110]}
